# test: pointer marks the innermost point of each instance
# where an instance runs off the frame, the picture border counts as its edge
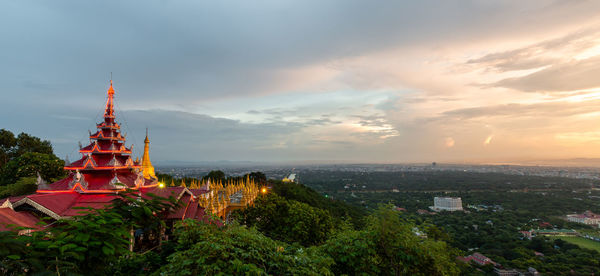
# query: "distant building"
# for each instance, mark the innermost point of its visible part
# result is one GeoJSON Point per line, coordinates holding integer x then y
{"type": "Point", "coordinates": [447, 204]}
{"type": "Point", "coordinates": [477, 258]}
{"type": "Point", "coordinates": [424, 212]}
{"type": "Point", "coordinates": [527, 234]}
{"type": "Point", "coordinates": [587, 217]}
{"type": "Point", "coordinates": [399, 209]}
{"type": "Point", "coordinates": [290, 178]}
{"type": "Point", "coordinates": [507, 272]}
{"type": "Point", "coordinates": [545, 224]}
{"type": "Point", "coordinates": [533, 271]}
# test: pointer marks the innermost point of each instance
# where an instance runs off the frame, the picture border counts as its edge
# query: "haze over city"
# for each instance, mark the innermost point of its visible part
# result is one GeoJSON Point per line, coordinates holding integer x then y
{"type": "Point", "coordinates": [347, 81]}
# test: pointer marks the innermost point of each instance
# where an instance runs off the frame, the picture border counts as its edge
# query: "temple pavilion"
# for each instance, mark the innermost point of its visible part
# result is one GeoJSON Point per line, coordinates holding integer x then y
{"type": "Point", "coordinates": [106, 168]}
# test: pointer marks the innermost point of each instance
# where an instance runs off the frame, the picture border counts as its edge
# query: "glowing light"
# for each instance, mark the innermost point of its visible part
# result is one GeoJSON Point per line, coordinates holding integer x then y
{"type": "Point", "coordinates": [161, 185]}
{"type": "Point", "coordinates": [488, 140]}
{"type": "Point", "coordinates": [263, 190]}
{"type": "Point", "coordinates": [449, 142]}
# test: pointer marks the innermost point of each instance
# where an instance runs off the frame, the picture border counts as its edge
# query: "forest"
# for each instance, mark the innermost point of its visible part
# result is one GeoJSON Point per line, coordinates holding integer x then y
{"type": "Point", "coordinates": [495, 212]}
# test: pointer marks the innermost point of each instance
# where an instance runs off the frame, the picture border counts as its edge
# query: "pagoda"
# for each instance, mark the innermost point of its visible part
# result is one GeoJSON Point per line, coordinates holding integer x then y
{"type": "Point", "coordinates": [106, 163]}
{"type": "Point", "coordinates": [147, 167]}
{"type": "Point", "coordinates": [105, 169]}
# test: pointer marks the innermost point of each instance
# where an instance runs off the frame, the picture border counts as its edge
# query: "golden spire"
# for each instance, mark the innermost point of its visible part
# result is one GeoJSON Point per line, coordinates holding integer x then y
{"type": "Point", "coordinates": [147, 167]}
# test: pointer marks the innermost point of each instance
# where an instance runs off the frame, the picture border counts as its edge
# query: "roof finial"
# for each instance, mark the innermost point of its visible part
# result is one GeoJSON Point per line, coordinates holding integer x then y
{"type": "Point", "coordinates": [111, 90]}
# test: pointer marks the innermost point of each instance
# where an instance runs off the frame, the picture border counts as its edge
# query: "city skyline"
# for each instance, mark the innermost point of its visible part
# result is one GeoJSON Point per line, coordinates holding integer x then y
{"type": "Point", "coordinates": [496, 81]}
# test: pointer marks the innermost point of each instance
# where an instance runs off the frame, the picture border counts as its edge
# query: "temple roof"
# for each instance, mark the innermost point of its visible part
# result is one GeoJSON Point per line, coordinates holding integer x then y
{"type": "Point", "coordinates": [10, 218]}
{"type": "Point", "coordinates": [105, 164]}
{"type": "Point", "coordinates": [64, 204]}
{"type": "Point", "coordinates": [105, 169]}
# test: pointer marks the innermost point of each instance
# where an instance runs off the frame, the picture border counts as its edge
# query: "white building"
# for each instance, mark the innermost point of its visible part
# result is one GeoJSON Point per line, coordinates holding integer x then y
{"type": "Point", "coordinates": [447, 204]}
{"type": "Point", "coordinates": [587, 217]}
{"type": "Point", "coordinates": [290, 178]}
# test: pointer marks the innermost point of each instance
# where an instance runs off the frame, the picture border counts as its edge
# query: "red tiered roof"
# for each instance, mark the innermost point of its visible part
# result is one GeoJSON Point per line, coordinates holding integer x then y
{"type": "Point", "coordinates": [60, 205]}
{"type": "Point", "coordinates": [105, 169]}
{"type": "Point", "coordinates": [9, 219]}
{"type": "Point", "coordinates": [105, 163]}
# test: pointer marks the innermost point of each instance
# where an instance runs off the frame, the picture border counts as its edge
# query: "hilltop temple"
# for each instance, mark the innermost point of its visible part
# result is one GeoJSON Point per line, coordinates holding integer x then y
{"type": "Point", "coordinates": [105, 169]}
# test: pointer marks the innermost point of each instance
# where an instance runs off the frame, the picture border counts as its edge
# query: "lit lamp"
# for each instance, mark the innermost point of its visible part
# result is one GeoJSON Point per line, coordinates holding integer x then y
{"type": "Point", "coordinates": [161, 184]}
{"type": "Point", "coordinates": [263, 190]}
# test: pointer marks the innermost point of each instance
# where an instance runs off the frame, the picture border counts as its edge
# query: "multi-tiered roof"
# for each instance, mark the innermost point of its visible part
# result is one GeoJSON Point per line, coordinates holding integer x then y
{"type": "Point", "coordinates": [105, 169]}
{"type": "Point", "coordinates": [106, 163]}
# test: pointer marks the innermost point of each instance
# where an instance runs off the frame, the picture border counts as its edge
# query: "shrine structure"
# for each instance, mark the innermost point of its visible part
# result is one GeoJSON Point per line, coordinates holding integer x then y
{"type": "Point", "coordinates": [105, 169]}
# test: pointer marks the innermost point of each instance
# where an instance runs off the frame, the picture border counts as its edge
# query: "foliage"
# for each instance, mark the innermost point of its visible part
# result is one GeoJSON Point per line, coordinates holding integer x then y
{"type": "Point", "coordinates": [25, 156]}
{"type": "Point", "coordinates": [16, 256]}
{"type": "Point", "coordinates": [144, 213]}
{"type": "Point", "coordinates": [27, 143]}
{"type": "Point", "coordinates": [505, 204]}
{"type": "Point", "coordinates": [83, 244]}
{"type": "Point", "coordinates": [288, 220]}
{"type": "Point", "coordinates": [11, 146]}
{"type": "Point", "coordinates": [7, 144]}
{"type": "Point", "coordinates": [389, 246]}
{"type": "Point", "coordinates": [29, 164]}
{"type": "Point", "coordinates": [208, 249]}
{"type": "Point", "coordinates": [338, 209]}
{"type": "Point", "coordinates": [23, 186]}
{"type": "Point", "coordinates": [138, 263]}
{"type": "Point", "coordinates": [354, 253]}
{"type": "Point", "coordinates": [259, 177]}
{"type": "Point", "coordinates": [215, 176]}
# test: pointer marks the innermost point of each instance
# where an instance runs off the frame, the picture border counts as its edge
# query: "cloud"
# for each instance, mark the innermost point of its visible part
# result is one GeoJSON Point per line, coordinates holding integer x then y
{"type": "Point", "coordinates": [285, 80]}
{"type": "Point", "coordinates": [568, 76]}
{"type": "Point", "coordinates": [540, 54]}
{"type": "Point", "coordinates": [556, 109]}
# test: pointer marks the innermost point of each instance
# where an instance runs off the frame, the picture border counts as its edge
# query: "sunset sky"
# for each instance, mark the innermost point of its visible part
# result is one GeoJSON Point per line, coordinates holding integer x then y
{"type": "Point", "coordinates": [282, 81]}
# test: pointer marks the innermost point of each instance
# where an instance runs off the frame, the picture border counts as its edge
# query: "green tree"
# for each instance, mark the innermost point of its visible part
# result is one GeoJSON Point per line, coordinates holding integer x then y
{"type": "Point", "coordinates": [23, 186]}
{"type": "Point", "coordinates": [288, 220]}
{"type": "Point", "coordinates": [90, 244]}
{"type": "Point", "coordinates": [27, 143]}
{"type": "Point", "coordinates": [7, 144]}
{"type": "Point", "coordinates": [354, 253]}
{"type": "Point", "coordinates": [258, 177]}
{"type": "Point", "coordinates": [389, 246]}
{"type": "Point", "coordinates": [29, 164]}
{"type": "Point", "coordinates": [209, 249]}
{"type": "Point", "coordinates": [215, 176]}
{"type": "Point", "coordinates": [338, 209]}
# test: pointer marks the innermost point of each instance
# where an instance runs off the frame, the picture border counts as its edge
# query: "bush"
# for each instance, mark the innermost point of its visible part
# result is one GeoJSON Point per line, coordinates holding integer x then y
{"type": "Point", "coordinates": [209, 249]}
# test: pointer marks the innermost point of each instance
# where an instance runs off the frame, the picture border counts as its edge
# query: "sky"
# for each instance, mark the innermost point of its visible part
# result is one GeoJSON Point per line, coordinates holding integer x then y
{"type": "Point", "coordinates": [317, 81]}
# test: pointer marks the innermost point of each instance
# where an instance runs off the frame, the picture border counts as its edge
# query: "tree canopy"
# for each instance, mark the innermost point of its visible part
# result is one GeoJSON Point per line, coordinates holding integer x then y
{"type": "Point", "coordinates": [26, 156]}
